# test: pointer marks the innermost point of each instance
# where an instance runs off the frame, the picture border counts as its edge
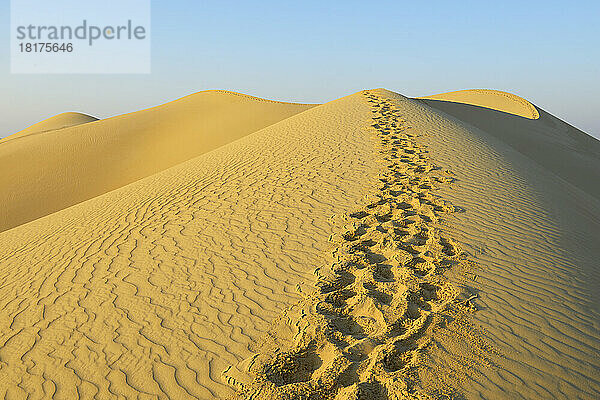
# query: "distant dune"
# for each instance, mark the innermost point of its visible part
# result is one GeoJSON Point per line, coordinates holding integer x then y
{"type": "Point", "coordinates": [492, 99]}
{"type": "Point", "coordinates": [556, 145]}
{"type": "Point", "coordinates": [64, 120]}
{"type": "Point", "coordinates": [373, 247]}
{"type": "Point", "coordinates": [65, 161]}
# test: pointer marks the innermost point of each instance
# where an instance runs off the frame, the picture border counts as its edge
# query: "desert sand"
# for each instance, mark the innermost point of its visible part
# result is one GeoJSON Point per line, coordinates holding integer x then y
{"type": "Point", "coordinates": [73, 157]}
{"type": "Point", "coordinates": [373, 247]}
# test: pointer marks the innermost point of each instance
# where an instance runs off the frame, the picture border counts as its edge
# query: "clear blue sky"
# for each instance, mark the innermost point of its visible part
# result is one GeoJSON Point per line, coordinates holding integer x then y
{"type": "Point", "coordinates": [316, 51]}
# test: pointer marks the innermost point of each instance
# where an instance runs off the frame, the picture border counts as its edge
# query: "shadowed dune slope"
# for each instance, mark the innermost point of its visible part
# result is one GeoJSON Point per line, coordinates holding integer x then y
{"type": "Point", "coordinates": [492, 99]}
{"type": "Point", "coordinates": [535, 237]}
{"type": "Point", "coordinates": [43, 172]}
{"type": "Point", "coordinates": [151, 290]}
{"type": "Point", "coordinates": [555, 145]}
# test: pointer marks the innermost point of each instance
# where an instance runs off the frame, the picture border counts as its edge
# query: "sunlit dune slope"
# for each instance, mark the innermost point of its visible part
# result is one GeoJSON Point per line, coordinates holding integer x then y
{"type": "Point", "coordinates": [59, 121]}
{"type": "Point", "coordinates": [356, 226]}
{"type": "Point", "coordinates": [43, 173]}
{"type": "Point", "coordinates": [552, 143]}
{"type": "Point", "coordinates": [151, 290]}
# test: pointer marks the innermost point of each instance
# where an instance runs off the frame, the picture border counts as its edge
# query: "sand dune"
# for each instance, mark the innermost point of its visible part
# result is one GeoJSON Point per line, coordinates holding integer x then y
{"type": "Point", "coordinates": [534, 235]}
{"type": "Point", "coordinates": [59, 121]}
{"type": "Point", "coordinates": [65, 166]}
{"type": "Point", "coordinates": [492, 99]}
{"type": "Point", "coordinates": [154, 288]}
{"type": "Point", "coordinates": [374, 247]}
{"type": "Point", "coordinates": [557, 146]}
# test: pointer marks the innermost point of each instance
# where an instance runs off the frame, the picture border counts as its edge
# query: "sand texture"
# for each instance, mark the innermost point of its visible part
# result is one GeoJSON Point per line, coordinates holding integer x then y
{"type": "Point", "coordinates": [373, 247]}
{"type": "Point", "coordinates": [490, 99]}
{"type": "Point", "coordinates": [555, 145]}
{"type": "Point", "coordinates": [66, 165]}
{"type": "Point", "coordinates": [64, 120]}
{"type": "Point", "coordinates": [535, 234]}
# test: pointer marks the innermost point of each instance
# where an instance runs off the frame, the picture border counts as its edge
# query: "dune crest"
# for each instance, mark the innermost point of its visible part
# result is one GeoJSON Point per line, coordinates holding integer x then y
{"type": "Point", "coordinates": [492, 99]}
{"type": "Point", "coordinates": [60, 121]}
{"type": "Point", "coordinates": [361, 332]}
{"type": "Point", "coordinates": [530, 222]}
{"type": "Point", "coordinates": [69, 165]}
{"type": "Point", "coordinates": [552, 143]}
{"type": "Point", "coordinates": [373, 247]}
{"type": "Point", "coordinates": [151, 290]}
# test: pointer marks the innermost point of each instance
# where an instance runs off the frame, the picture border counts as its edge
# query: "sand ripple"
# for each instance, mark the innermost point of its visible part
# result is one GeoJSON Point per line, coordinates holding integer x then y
{"type": "Point", "coordinates": [150, 291]}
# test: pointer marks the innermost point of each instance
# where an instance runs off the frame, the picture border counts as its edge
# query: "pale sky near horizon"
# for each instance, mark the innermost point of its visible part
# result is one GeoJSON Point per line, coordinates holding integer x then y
{"type": "Point", "coordinates": [316, 51]}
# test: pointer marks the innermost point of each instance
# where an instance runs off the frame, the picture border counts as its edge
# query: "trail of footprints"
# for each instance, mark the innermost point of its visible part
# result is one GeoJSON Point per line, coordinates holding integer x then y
{"type": "Point", "coordinates": [361, 333]}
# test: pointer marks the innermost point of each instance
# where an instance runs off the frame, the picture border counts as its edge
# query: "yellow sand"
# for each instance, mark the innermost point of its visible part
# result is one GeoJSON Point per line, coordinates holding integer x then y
{"type": "Point", "coordinates": [492, 99]}
{"type": "Point", "coordinates": [62, 165]}
{"type": "Point", "coordinates": [557, 146]}
{"type": "Point", "coordinates": [530, 218]}
{"type": "Point", "coordinates": [64, 120]}
{"type": "Point", "coordinates": [372, 247]}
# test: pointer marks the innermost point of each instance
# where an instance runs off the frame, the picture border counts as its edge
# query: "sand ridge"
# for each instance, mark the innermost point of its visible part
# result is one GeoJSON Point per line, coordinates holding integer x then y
{"type": "Point", "coordinates": [151, 290]}
{"type": "Point", "coordinates": [372, 247]}
{"type": "Point", "coordinates": [68, 119]}
{"type": "Point", "coordinates": [63, 167]}
{"type": "Point", "coordinates": [534, 236]}
{"type": "Point", "coordinates": [554, 144]}
{"type": "Point", "coordinates": [60, 121]}
{"type": "Point", "coordinates": [250, 97]}
{"type": "Point", "coordinates": [362, 332]}
{"type": "Point", "coordinates": [492, 99]}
